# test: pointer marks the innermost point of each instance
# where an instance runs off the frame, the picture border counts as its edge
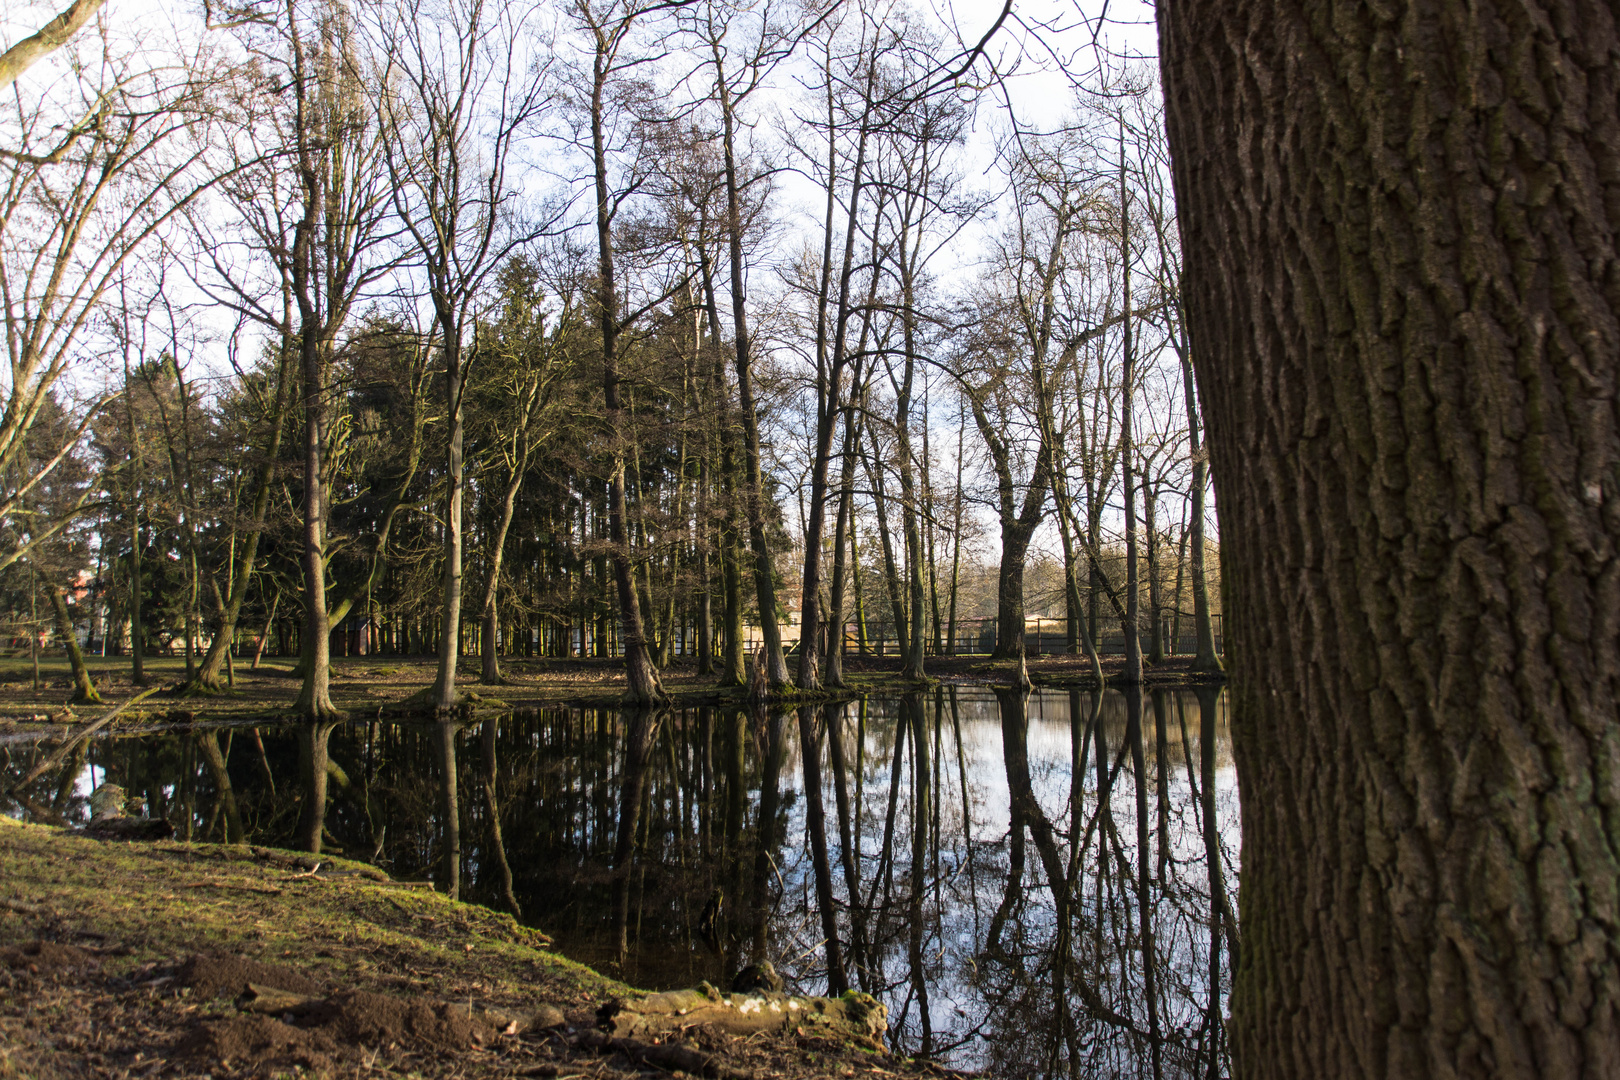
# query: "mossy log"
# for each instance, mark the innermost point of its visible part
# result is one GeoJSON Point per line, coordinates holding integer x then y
{"type": "Point", "coordinates": [855, 1016]}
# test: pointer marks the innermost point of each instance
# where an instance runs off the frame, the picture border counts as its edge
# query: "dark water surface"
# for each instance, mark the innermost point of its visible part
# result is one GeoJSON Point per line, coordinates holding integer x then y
{"type": "Point", "coordinates": [934, 849]}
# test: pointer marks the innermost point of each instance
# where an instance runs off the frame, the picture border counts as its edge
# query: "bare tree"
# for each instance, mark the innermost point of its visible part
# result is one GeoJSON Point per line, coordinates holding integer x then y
{"type": "Point", "coordinates": [735, 74]}
{"type": "Point", "coordinates": [523, 357]}
{"type": "Point", "coordinates": [619, 115]}
{"type": "Point", "coordinates": [304, 244]}
{"type": "Point", "coordinates": [84, 186]}
{"type": "Point", "coordinates": [458, 93]}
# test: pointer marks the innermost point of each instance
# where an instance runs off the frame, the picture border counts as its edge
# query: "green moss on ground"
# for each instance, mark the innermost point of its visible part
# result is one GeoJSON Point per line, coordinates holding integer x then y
{"type": "Point", "coordinates": [171, 899]}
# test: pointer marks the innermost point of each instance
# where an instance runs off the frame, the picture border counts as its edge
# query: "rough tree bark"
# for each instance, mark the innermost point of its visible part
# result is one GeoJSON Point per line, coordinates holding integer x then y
{"type": "Point", "coordinates": [1399, 226]}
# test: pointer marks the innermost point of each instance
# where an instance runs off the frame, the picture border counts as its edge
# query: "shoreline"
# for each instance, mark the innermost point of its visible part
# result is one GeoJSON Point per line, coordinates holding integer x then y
{"type": "Point", "coordinates": [131, 957]}
{"type": "Point", "coordinates": [381, 687]}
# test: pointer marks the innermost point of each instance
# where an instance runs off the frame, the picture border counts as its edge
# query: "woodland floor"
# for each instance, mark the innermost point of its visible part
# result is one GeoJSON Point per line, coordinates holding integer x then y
{"type": "Point", "coordinates": [367, 685]}
{"type": "Point", "coordinates": [123, 959]}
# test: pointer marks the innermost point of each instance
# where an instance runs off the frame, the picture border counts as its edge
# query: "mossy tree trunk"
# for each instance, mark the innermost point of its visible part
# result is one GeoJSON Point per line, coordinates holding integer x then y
{"type": "Point", "coordinates": [84, 690]}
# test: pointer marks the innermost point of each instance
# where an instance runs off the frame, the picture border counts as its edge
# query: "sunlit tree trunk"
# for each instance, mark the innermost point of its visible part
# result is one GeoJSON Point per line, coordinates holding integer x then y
{"type": "Point", "coordinates": [1132, 623]}
{"type": "Point", "coordinates": [776, 672]}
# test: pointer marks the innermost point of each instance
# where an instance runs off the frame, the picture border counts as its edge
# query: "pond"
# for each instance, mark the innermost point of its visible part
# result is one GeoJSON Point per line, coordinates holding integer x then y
{"type": "Point", "coordinates": [1025, 880]}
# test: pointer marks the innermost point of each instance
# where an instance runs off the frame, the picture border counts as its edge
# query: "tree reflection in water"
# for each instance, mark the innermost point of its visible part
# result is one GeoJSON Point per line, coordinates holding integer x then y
{"type": "Point", "coordinates": [1036, 884]}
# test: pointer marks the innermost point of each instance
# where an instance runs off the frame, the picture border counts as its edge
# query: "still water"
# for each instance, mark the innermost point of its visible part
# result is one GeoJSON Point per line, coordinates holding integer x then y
{"type": "Point", "coordinates": [1035, 885]}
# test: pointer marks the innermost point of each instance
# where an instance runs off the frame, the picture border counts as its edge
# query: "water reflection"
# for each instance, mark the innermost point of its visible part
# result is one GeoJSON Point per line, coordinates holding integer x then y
{"type": "Point", "coordinates": [1035, 884]}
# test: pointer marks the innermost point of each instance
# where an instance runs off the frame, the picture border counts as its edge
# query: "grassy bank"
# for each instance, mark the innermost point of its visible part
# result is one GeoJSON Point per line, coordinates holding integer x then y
{"type": "Point", "coordinates": [123, 959]}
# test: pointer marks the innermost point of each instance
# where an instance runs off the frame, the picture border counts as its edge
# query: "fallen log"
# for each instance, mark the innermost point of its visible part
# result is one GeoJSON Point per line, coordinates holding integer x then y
{"type": "Point", "coordinates": [855, 1016]}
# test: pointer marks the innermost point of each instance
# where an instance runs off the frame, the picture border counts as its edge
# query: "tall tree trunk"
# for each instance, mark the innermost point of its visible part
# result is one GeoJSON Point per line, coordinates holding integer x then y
{"type": "Point", "coordinates": [444, 694]}
{"type": "Point", "coordinates": [734, 662]}
{"type": "Point", "coordinates": [776, 672]}
{"type": "Point", "coordinates": [1068, 528]}
{"type": "Point", "coordinates": [833, 673]}
{"type": "Point", "coordinates": [1018, 522]}
{"type": "Point", "coordinates": [137, 628]}
{"type": "Point", "coordinates": [1407, 352]}
{"type": "Point", "coordinates": [891, 568]}
{"type": "Point", "coordinates": [314, 698]}
{"type": "Point", "coordinates": [706, 537]}
{"type": "Point", "coordinates": [830, 360]}
{"type": "Point", "coordinates": [1204, 655]}
{"type": "Point", "coordinates": [1150, 501]}
{"type": "Point", "coordinates": [1132, 623]}
{"type": "Point", "coordinates": [861, 638]}
{"type": "Point", "coordinates": [644, 686]}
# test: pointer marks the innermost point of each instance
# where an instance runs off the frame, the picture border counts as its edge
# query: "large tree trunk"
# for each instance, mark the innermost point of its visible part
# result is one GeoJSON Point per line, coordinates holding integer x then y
{"type": "Point", "coordinates": [1399, 228]}
{"type": "Point", "coordinates": [1132, 623]}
